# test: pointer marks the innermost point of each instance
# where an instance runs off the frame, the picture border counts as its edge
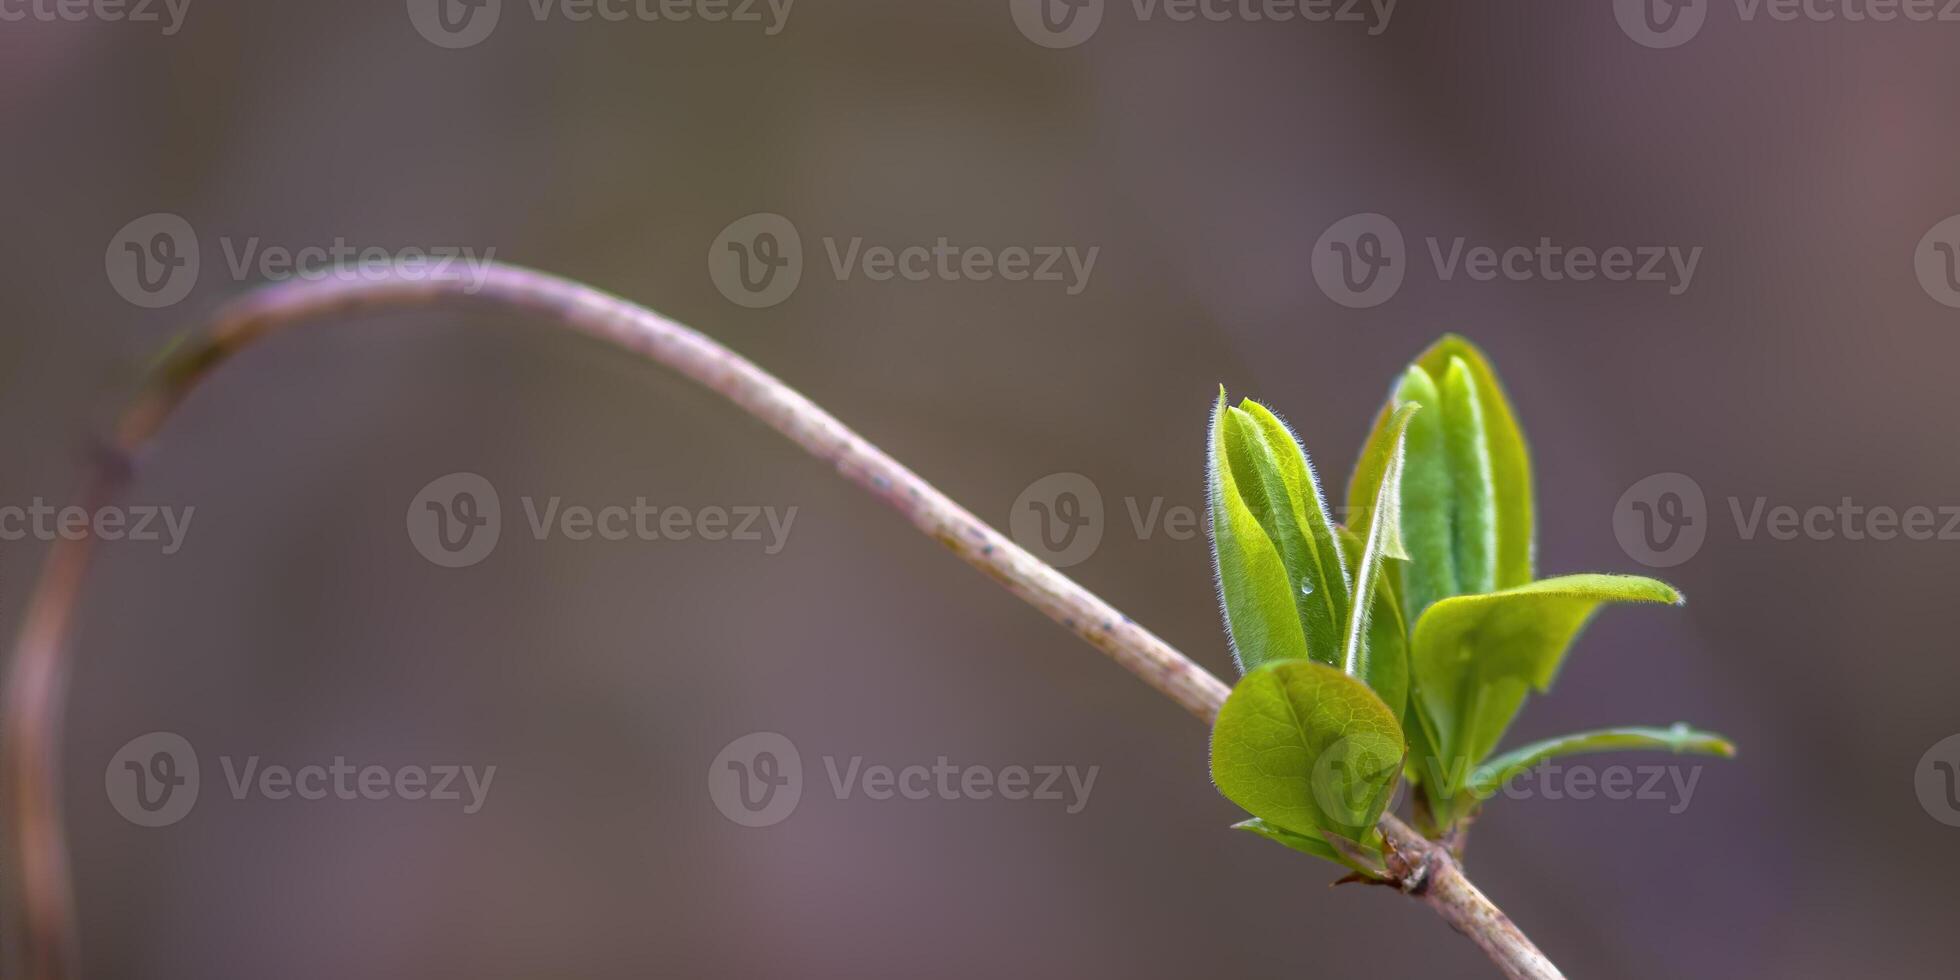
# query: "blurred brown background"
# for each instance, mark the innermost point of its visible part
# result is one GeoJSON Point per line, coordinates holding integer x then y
{"type": "Point", "coordinates": [1804, 364]}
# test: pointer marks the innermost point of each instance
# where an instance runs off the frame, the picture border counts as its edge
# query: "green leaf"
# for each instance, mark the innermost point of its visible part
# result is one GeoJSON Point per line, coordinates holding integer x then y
{"type": "Point", "coordinates": [1466, 491]}
{"type": "Point", "coordinates": [1473, 514]}
{"type": "Point", "coordinates": [1258, 595]}
{"type": "Point", "coordinates": [1387, 661]}
{"type": "Point", "coordinates": [1424, 767]}
{"type": "Point", "coordinates": [1381, 537]}
{"type": "Point", "coordinates": [1474, 657]}
{"type": "Point", "coordinates": [1678, 739]}
{"type": "Point", "coordinates": [1427, 490]}
{"type": "Point", "coordinates": [1304, 843]}
{"type": "Point", "coordinates": [1277, 482]}
{"type": "Point", "coordinates": [1510, 459]}
{"type": "Point", "coordinates": [1308, 749]}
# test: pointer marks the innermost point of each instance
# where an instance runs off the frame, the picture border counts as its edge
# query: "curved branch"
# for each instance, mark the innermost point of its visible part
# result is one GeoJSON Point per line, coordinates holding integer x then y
{"type": "Point", "coordinates": [40, 915]}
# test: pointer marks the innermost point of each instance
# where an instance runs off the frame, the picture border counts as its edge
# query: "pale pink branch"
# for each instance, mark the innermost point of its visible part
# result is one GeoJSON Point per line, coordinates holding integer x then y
{"type": "Point", "coordinates": [41, 932]}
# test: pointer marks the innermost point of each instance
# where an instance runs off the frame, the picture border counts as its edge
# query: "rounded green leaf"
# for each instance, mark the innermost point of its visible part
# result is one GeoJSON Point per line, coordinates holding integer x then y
{"type": "Point", "coordinates": [1308, 749]}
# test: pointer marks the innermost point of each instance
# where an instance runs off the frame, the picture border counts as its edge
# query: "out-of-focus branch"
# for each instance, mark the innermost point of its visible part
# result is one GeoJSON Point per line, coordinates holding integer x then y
{"type": "Point", "coordinates": [41, 933]}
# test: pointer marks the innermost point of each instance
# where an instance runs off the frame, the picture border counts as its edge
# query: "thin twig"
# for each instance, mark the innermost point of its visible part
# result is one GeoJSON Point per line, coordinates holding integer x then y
{"type": "Point", "coordinates": [40, 918]}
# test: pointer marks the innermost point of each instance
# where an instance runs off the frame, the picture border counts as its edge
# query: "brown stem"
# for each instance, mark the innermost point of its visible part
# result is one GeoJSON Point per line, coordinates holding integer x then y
{"type": "Point", "coordinates": [40, 921]}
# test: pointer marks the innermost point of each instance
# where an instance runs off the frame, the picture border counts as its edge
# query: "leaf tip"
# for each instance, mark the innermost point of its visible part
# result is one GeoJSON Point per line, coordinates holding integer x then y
{"type": "Point", "coordinates": [1665, 594]}
{"type": "Point", "coordinates": [1453, 344]}
{"type": "Point", "coordinates": [1416, 381]}
{"type": "Point", "coordinates": [1707, 743]}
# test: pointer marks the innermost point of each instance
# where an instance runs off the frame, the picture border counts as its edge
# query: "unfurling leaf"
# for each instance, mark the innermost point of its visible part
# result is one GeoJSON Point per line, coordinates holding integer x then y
{"type": "Point", "coordinates": [1466, 491]}
{"type": "Point", "coordinates": [1281, 572]}
{"type": "Point", "coordinates": [1474, 657]}
{"type": "Point", "coordinates": [1381, 537]}
{"type": "Point", "coordinates": [1260, 612]}
{"type": "Point", "coordinates": [1474, 512]}
{"type": "Point", "coordinates": [1312, 844]}
{"type": "Point", "coordinates": [1292, 512]}
{"type": "Point", "coordinates": [1386, 664]}
{"type": "Point", "coordinates": [1308, 749]}
{"type": "Point", "coordinates": [1425, 660]}
{"type": "Point", "coordinates": [1679, 739]}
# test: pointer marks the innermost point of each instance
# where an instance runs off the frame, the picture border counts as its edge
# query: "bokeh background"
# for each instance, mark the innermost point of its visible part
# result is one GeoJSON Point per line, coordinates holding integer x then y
{"type": "Point", "coordinates": [1805, 364]}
